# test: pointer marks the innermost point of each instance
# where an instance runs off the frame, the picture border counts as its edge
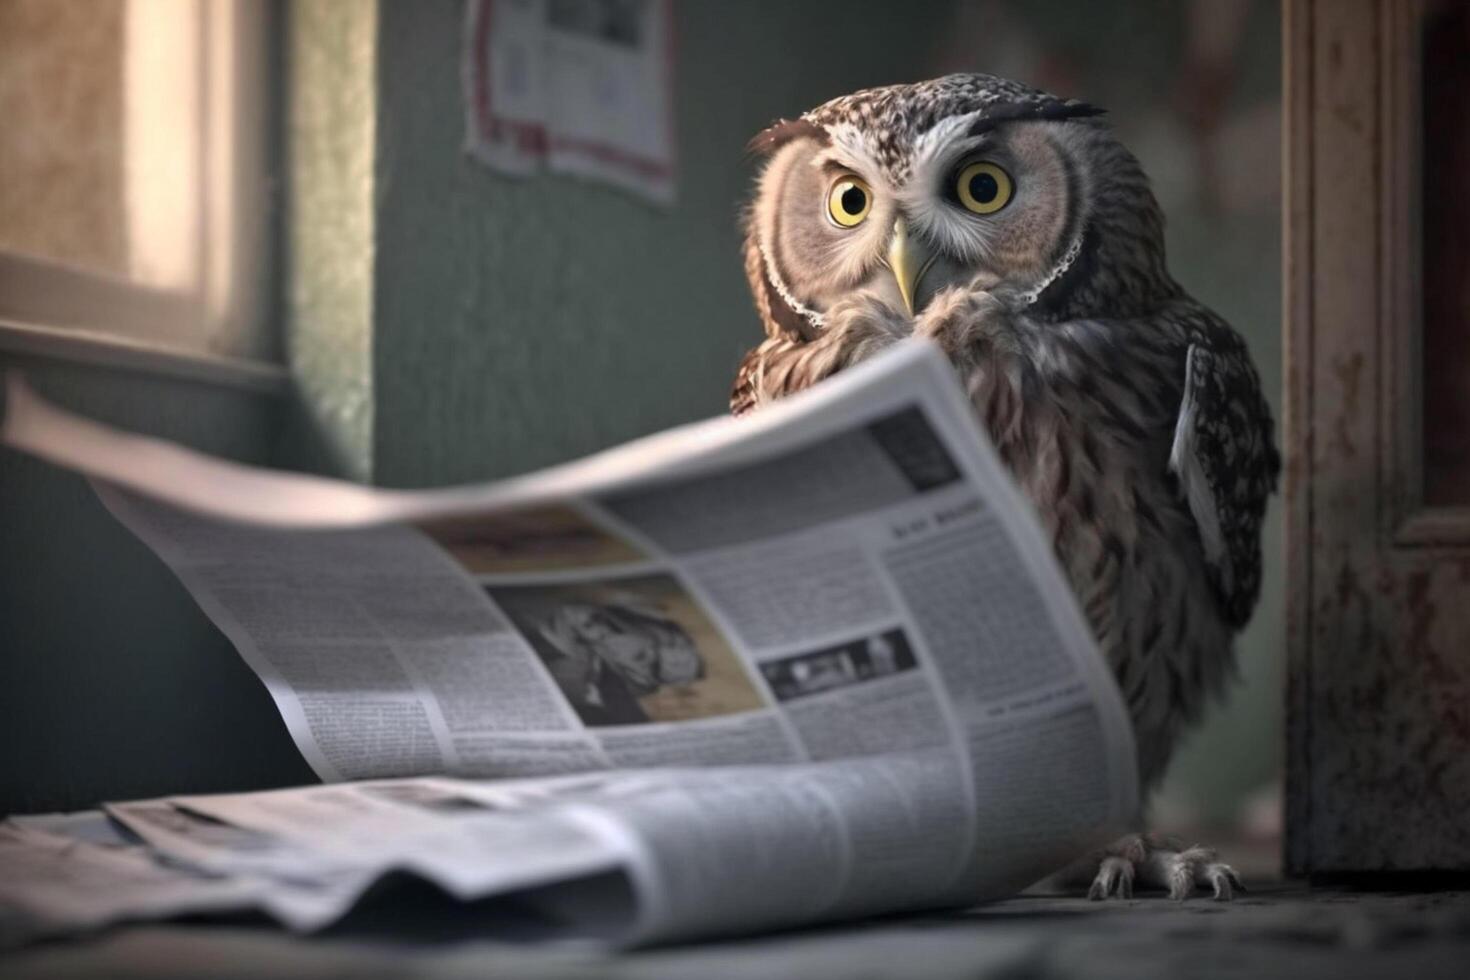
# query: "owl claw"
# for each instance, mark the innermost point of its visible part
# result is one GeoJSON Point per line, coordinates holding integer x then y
{"type": "Point", "coordinates": [1162, 863]}
{"type": "Point", "coordinates": [1197, 867]}
{"type": "Point", "coordinates": [1114, 879]}
{"type": "Point", "coordinates": [1223, 880]}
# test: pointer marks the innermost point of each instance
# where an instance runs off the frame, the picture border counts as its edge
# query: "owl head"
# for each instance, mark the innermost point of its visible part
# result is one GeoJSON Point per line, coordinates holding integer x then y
{"type": "Point", "coordinates": [966, 180]}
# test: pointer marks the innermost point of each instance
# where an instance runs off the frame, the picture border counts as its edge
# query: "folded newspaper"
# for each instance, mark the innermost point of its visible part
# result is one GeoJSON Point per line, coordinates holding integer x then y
{"type": "Point", "coordinates": [812, 664]}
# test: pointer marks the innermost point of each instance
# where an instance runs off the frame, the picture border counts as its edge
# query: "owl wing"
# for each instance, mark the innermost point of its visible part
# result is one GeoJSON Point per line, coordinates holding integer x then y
{"type": "Point", "coordinates": [776, 367]}
{"type": "Point", "coordinates": [1224, 456]}
{"type": "Point", "coordinates": [743, 397]}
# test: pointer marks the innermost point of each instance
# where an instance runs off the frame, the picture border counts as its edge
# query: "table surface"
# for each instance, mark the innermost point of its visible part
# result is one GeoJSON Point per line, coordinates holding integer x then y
{"type": "Point", "coordinates": [1282, 929]}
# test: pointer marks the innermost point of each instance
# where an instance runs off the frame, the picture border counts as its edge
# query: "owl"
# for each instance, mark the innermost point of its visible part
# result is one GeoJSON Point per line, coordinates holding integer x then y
{"type": "Point", "coordinates": [1015, 230]}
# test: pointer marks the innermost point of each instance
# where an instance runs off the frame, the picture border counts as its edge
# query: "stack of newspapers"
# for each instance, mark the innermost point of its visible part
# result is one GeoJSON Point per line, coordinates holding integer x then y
{"type": "Point", "coordinates": [810, 664]}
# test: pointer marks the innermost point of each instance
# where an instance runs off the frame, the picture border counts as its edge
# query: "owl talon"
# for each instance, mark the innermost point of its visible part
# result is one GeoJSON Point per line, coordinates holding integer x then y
{"type": "Point", "coordinates": [1161, 862]}
{"type": "Point", "coordinates": [1198, 867]}
{"type": "Point", "coordinates": [1178, 877]}
{"type": "Point", "coordinates": [1223, 880]}
{"type": "Point", "coordinates": [1114, 879]}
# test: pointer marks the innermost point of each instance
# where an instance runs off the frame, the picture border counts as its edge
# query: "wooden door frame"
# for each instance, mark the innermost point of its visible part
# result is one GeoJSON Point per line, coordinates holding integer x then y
{"type": "Point", "coordinates": [1364, 555]}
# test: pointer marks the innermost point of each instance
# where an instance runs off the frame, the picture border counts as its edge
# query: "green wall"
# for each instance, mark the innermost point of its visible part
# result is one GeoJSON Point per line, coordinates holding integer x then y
{"type": "Point", "coordinates": [519, 323]}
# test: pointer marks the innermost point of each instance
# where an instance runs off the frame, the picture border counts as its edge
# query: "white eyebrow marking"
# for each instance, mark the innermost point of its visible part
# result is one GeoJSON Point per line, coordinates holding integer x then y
{"type": "Point", "coordinates": [850, 148]}
{"type": "Point", "coordinates": [941, 137]}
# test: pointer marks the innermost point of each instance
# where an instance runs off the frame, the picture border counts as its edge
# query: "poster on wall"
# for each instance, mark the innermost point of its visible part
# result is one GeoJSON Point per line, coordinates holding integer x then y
{"type": "Point", "coordinates": [581, 87]}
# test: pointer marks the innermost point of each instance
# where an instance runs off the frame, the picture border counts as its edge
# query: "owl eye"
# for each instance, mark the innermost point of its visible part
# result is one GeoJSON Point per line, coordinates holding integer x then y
{"type": "Point", "coordinates": [849, 201]}
{"type": "Point", "coordinates": [983, 188]}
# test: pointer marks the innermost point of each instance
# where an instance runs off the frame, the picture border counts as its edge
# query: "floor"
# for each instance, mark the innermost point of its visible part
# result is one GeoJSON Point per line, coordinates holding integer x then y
{"type": "Point", "coordinates": [1281, 929]}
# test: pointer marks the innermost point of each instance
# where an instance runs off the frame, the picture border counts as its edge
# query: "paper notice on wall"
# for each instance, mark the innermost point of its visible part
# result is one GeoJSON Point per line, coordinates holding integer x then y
{"type": "Point", "coordinates": [579, 87]}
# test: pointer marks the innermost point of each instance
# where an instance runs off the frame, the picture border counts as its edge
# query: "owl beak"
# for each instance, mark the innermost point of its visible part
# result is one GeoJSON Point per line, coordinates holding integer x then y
{"type": "Point", "coordinates": [908, 260]}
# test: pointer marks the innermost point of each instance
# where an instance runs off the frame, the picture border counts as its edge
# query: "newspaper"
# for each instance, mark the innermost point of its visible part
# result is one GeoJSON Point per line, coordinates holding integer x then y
{"type": "Point", "coordinates": [809, 664]}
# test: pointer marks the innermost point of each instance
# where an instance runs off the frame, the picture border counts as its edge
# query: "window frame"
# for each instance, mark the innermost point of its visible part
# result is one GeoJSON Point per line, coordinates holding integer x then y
{"type": "Point", "coordinates": [215, 326]}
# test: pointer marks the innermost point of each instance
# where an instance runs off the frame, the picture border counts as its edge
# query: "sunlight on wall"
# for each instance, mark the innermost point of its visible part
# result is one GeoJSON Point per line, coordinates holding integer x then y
{"type": "Point", "coordinates": [163, 151]}
{"type": "Point", "coordinates": [330, 250]}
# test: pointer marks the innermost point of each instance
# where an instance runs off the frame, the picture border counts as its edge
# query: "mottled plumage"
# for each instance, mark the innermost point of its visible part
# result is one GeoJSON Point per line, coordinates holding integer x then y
{"type": "Point", "coordinates": [1013, 228]}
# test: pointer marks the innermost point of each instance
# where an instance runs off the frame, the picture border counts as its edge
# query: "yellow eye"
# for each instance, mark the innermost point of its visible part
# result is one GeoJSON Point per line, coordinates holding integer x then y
{"type": "Point", "coordinates": [849, 201]}
{"type": "Point", "coordinates": [983, 188]}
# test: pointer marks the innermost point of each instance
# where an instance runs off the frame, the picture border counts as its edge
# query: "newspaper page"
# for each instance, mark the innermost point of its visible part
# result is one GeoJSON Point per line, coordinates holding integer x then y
{"type": "Point", "coordinates": [70, 873]}
{"type": "Point", "coordinates": [624, 856]}
{"type": "Point", "coordinates": [843, 597]}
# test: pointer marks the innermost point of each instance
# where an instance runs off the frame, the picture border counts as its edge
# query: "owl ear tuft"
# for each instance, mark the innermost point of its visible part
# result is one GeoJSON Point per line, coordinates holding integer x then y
{"type": "Point", "coordinates": [781, 132]}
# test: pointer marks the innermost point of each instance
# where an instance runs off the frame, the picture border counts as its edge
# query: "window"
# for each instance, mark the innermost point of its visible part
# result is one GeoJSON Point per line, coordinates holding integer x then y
{"type": "Point", "coordinates": [133, 180]}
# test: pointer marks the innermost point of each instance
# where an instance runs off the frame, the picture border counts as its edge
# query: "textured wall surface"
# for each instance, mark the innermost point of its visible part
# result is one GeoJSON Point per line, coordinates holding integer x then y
{"type": "Point", "coordinates": [61, 163]}
{"type": "Point", "coordinates": [330, 125]}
